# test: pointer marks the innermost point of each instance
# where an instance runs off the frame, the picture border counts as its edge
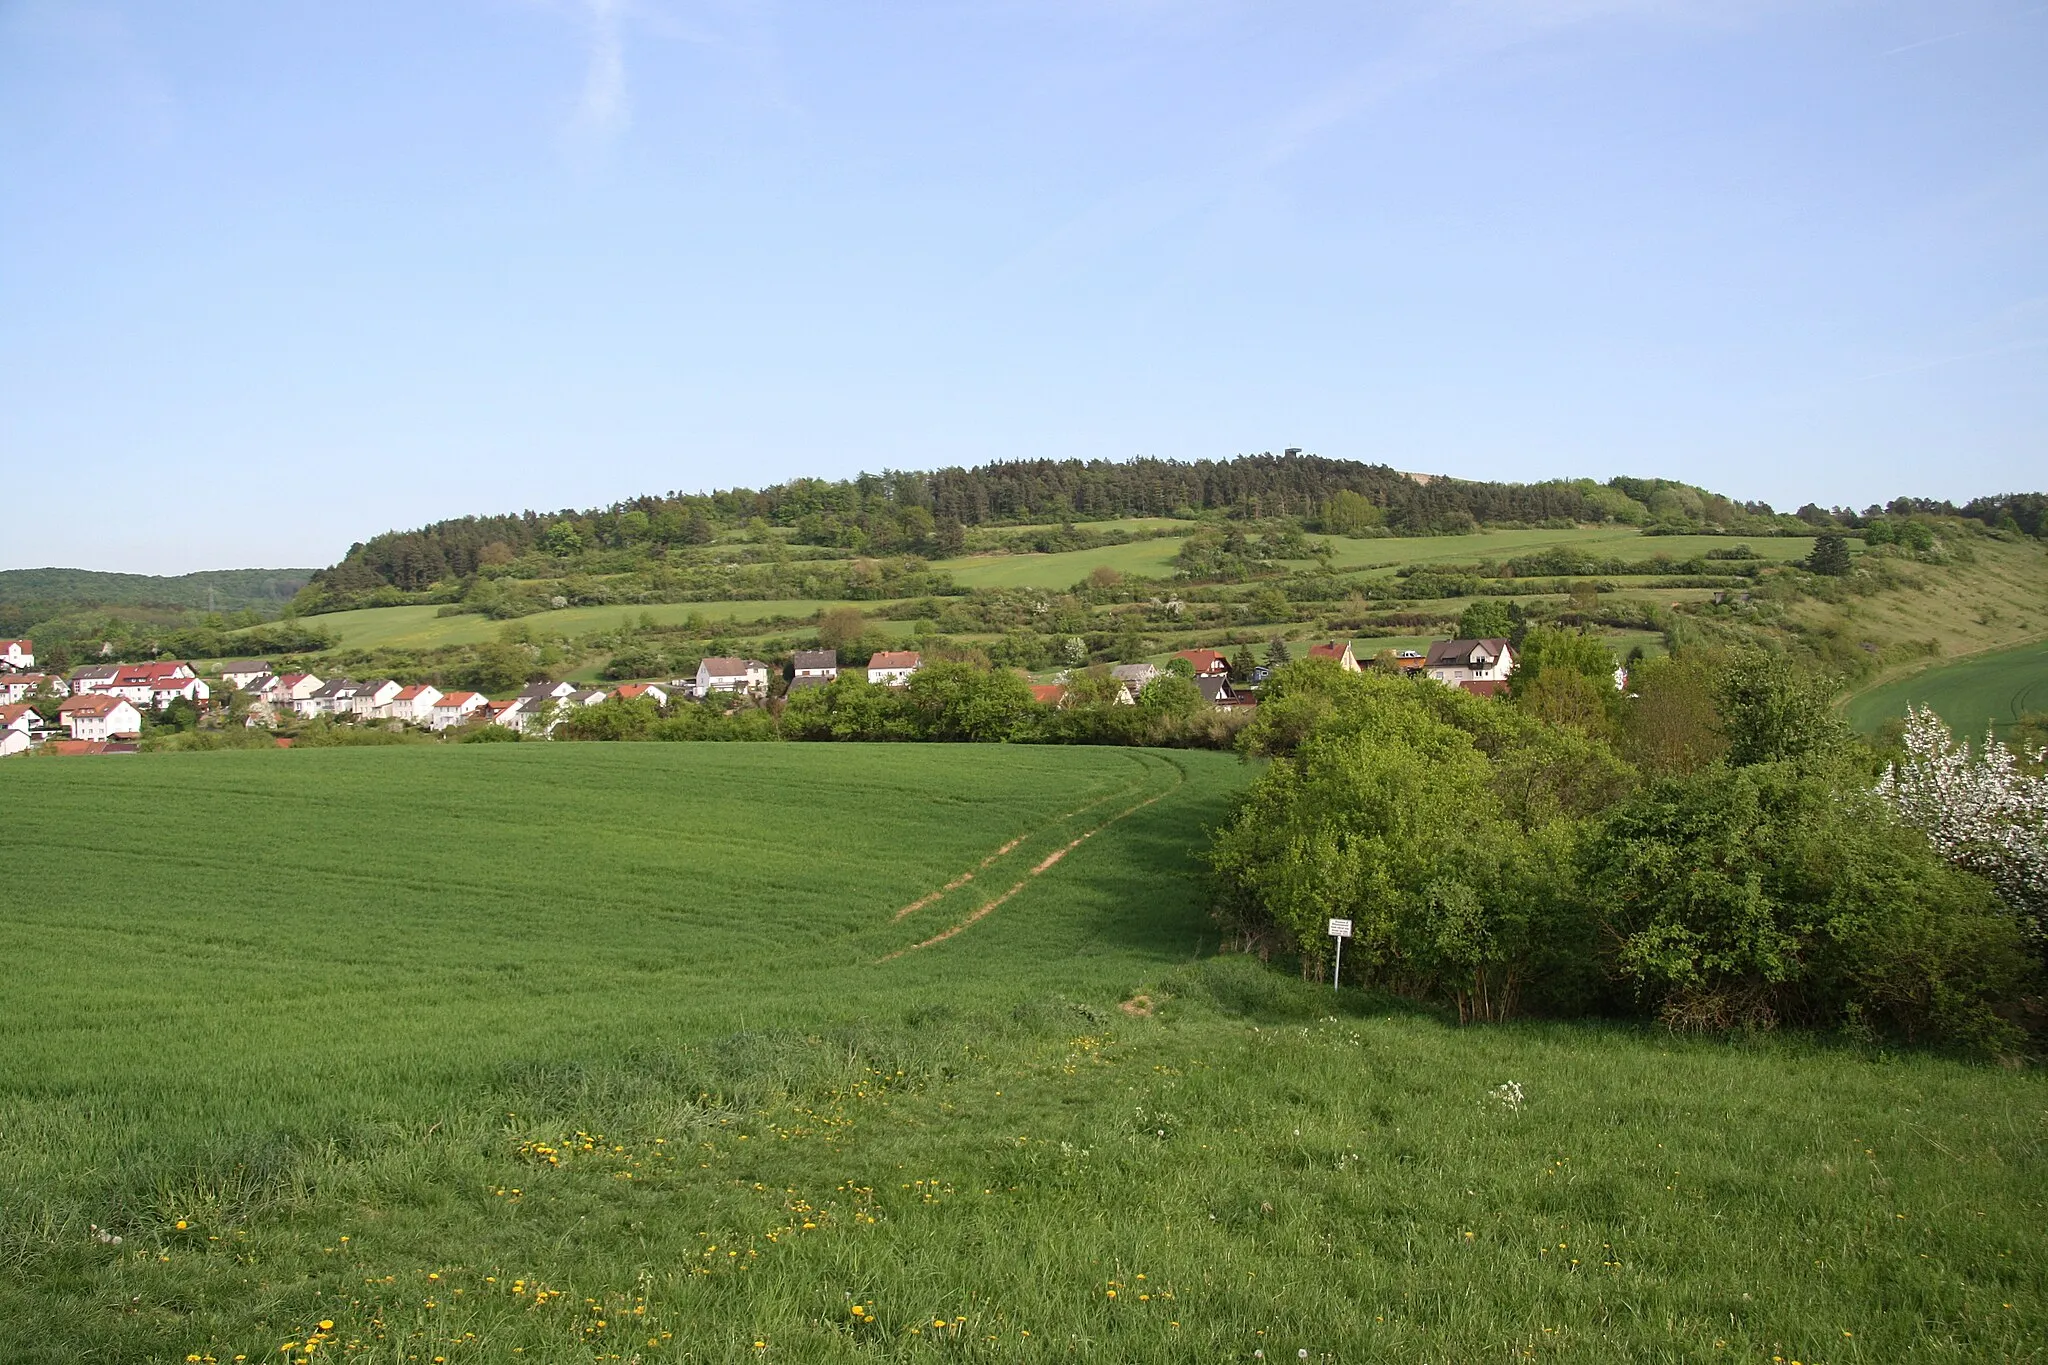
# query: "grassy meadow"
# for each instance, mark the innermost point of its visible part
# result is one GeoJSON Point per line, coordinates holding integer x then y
{"type": "Point", "coordinates": [1992, 690]}
{"type": "Point", "coordinates": [425, 628]}
{"type": "Point", "coordinates": [814, 1052]}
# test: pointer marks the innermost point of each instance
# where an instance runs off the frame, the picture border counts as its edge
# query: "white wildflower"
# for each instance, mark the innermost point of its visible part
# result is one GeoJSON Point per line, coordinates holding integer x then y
{"type": "Point", "coordinates": [1508, 1095]}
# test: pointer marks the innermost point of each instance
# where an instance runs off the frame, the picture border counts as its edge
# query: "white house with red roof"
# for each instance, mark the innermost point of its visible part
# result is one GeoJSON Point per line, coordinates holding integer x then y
{"type": "Point", "coordinates": [17, 687]}
{"type": "Point", "coordinates": [1207, 663]}
{"type": "Point", "coordinates": [17, 656]}
{"type": "Point", "coordinates": [893, 667]}
{"type": "Point", "coordinates": [139, 682]}
{"type": "Point", "coordinates": [99, 717]}
{"type": "Point", "coordinates": [17, 729]}
{"type": "Point", "coordinates": [414, 704]}
{"type": "Point", "coordinates": [454, 708]}
{"type": "Point", "coordinates": [654, 692]}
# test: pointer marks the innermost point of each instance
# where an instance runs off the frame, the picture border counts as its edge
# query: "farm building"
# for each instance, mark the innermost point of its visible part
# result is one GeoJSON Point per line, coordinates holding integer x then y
{"type": "Point", "coordinates": [894, 666]}
{"type": "Point", "coordinates": [97, 717]}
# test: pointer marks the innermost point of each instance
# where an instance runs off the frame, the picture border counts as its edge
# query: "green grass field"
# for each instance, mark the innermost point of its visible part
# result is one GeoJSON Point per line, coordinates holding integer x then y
{"type": "Point", "coordinates": [423, 628]}
{"type": "Point", "coordinates": [1993, 689]}
{"type": "Point", "coordinates": [1621, 542]}
{"type": "Point", "coordinates": [1152, 558]}
{"type": "Point", "coordinates": [809, 1053]}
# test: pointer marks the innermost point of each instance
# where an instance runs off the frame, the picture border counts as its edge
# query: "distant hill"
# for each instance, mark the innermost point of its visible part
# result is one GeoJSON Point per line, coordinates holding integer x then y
{"type": "Point", "coordinates": [211, 590]}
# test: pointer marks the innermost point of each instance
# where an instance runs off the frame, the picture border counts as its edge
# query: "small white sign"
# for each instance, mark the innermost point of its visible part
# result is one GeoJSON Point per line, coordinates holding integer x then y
{"type": "Point", "coordinates": [1340, 928]}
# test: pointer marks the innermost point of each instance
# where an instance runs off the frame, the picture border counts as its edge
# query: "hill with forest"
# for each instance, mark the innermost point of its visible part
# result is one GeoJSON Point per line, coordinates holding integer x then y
{"type": "Point", "coordinates": [209, 590]}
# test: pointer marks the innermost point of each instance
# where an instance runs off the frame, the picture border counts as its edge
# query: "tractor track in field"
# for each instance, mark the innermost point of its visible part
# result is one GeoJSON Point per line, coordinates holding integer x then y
{"type": "Point", "coordinates": [1039, 869]}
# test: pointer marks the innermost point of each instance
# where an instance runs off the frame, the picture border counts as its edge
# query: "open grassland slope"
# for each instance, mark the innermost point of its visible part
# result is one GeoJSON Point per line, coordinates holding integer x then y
{"type": "Point", "coordinates": [418, 628]}
{"type": "Point", "coordinates": [697, 1052]}
{"type": "Point", "coordinates": [1995, 598]}
{"type": "Point", "coordinates": [1973, 694]}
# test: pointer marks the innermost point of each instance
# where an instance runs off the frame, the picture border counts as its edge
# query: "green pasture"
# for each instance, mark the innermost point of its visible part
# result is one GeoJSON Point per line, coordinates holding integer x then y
{"type": "Point", "coordinates": [1151, 558]}
{"type": "Point", "coordinates": [627, 1052]}
{"type": "Point", "coordinates": [1992, 689]}
{"type": "Point", "coordinates": [422, 628]}
{"type": "Point", "coordinates": [1621, 542]}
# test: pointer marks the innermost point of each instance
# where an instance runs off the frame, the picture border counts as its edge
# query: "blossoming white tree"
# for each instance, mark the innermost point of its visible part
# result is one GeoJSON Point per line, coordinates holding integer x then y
{"type": "Point", "coordinates": [1980, 811]}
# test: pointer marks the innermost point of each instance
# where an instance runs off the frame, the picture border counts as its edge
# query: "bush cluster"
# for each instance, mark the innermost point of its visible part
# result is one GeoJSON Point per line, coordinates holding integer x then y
{"type": "Point", "coordinates": [1705, 848]}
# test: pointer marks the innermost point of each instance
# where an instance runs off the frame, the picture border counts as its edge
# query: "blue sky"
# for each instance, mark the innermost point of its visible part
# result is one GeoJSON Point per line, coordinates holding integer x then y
{"type": "Point", "coordinates": [277, 276]}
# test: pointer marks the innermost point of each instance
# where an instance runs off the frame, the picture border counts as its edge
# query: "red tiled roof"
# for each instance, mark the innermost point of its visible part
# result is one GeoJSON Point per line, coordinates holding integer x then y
{"type": "Point", "coordinates": [896, 658]}
{"type": "Point", "coordinates": [1051, 694]}
{"type": "Point", "coordinates": [408, 693]}
{"type": "Point", "coordinates": [11, 714]}
{"type": "Point", "coordinates": [91, 704]}
{"type": "Point", "coordinates": [27, 646]}
{"type": "Point", "coordinates": [632, 690]}
{"type": "Point", "coordinates": [454, 699]}
{"type": "Point", "coordinates": [1333, 650]}
{"type": "Point", "coordinates": [1484, 687]}
{"type": "Point", "coordinates": [1205, 660]}
{"type": "Point", "coordinates": [75, 746]}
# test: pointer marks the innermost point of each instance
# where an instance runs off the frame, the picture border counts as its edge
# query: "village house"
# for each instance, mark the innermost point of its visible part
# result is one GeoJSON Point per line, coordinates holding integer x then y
{"type": "Point", "coordinates": [1134, 678]}
{"type": "Point", "coordinates": [17, 729]}
{"type": "Point", "coordinates": [415, 704]}
{"type": "Point", "coordinates": [634, 691]}
{"type": "Point", "coordinates": [97, 717]}
{"type": "Point", "coordinates": [168, 690]}
{"type": "Point", "coordinates": [94, 678]}
{"type": "Point", "coordinates": [372, 698]}
{"type": "Point", "coordinates": [1049, 694]}
{"type": "Point", "coordinates": [1338, 653]}
{"type": "Point", "coordinates": [1463, 663]}
{"type": "Point", "coordinates": [334, 698]}
{"type": "Point", "coordinates": [1220, 694]}
{"type": "Point", "coordinates": [292, 689]}
{"type": "Point", "coordinates": [510, 714]}
{"type": "Point", "coordinates": [16, 687]}
{"type": "Point", "coordinates": [747, 677]}
{"type": "Point", "coordinates": [814, 666]}
{"type": "Point", "coordinates": [454, 709]}
{"type": "Point", "coordinates": [17, 656]}
{"type": "Point", "coordinates": [586, 696]}
{"type": "Point", "coordinates": [240, 673]}
{"type": "Point", "coordinates": [1208, 663]}
{"type": "Point", "coordinates": [139, 682]}
{"type": "Point", "coordinates": [893, 667]}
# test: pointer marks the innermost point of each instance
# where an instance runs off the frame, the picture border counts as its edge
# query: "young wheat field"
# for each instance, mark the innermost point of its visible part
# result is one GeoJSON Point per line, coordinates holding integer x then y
{"type": "Point", "coordinates": [693, 1052]}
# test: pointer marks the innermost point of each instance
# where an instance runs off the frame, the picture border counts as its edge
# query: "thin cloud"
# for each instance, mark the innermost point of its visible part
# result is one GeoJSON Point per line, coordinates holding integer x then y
{"type": "Point", "coordinates": [603, 110]}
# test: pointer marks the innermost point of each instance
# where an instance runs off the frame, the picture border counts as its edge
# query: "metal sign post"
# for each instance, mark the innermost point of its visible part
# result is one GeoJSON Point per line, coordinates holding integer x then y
{"type": "Point", "coordinates": [1340, 929]}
